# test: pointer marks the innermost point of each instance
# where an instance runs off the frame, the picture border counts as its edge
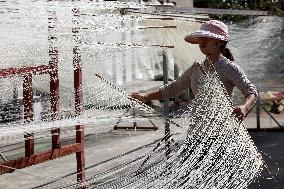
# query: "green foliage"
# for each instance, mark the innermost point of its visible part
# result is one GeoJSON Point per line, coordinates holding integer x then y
{"type": "Point", "coordinates": [266, 5]}
{"type": "Point", "coordinates": [233, 18]}
{"type": "Point", "coordinates": [229, 4]}
{"type": "Point", "coordinates": [240, 4]}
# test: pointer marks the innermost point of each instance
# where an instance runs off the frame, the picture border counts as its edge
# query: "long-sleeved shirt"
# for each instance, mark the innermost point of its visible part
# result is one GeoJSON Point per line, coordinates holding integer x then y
{"type": "Point", "coordinates": [229, 73]}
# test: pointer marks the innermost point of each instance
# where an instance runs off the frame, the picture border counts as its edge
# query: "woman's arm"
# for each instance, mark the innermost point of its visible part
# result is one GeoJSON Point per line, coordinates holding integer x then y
{"type": "Point", "coordinates": [242, 110]}
{"type": "Point", "coordinates": [166, 91]}
{"type": "Point", "coordinates": [146, 97]}
{"type": "Point", "coordinates": [240, 80]}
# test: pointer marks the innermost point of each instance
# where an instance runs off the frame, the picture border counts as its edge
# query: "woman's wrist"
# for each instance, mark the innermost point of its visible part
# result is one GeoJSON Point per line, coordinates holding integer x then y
{"type": "Point", "coordinates": [246, 107]}
{"type": "Point", "coordinates": [146, 97]}
{"type": "Point", "coordinates": [250, 101]}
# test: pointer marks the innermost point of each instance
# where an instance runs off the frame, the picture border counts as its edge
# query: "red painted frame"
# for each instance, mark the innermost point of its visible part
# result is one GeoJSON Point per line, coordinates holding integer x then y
{"type": "Point", "coordinates": [57, 150]}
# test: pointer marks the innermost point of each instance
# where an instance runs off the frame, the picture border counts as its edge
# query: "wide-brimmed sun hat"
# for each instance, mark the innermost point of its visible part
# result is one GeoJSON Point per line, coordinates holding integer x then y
{"type": "Point", "coordinates": [212, 29]}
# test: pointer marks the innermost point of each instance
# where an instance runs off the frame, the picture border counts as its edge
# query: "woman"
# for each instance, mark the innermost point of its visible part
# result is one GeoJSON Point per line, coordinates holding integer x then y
{"type": "Point", "coordinates": [212, 39]}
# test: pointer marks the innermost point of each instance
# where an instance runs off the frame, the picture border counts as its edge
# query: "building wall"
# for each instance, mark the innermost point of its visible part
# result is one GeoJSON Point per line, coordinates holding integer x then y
{"type": "Point", "coordinates": [184, 3]}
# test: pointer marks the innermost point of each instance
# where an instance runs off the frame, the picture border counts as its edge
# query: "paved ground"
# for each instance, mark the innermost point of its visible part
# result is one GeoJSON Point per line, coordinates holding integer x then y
{"type": "Point", "coordinates": [271, 146]}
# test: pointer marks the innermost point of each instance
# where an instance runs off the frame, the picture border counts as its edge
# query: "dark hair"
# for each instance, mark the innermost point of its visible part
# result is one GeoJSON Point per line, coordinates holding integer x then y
{"type": "Point", "coordinates": [226, 51]}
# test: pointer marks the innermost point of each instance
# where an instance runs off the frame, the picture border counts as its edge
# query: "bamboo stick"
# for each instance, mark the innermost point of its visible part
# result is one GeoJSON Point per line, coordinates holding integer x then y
{"type": "Point", "coordinates": [135, 100]}
{"type": "Point", "coordinates": [136, 45]}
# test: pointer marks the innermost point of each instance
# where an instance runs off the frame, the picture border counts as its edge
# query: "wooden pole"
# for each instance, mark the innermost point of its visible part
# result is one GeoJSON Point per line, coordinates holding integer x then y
{"type": "Point", "coordinates": [77, 65]}
{"type": "Point", "coordinates": [78, 92]}
{"type": "Point", "coordinates": [54, 79]}
{"type": "Point", "coordinates": [80, 155]}
{"type": "Point", "coordinates": [53, 64]}
{"type": "Point", "coordinates": [56, 138]}
{"type": "Point", "coordinates": [28, 97]}
{"type": "Point", "coordinates": [29, 145]}
{"type": "Point", "coordinates": [135, 45]}
{"type": "Point", "coordinates": [28, 113]}
{"type": "Point", "coordinates": [78, 80]}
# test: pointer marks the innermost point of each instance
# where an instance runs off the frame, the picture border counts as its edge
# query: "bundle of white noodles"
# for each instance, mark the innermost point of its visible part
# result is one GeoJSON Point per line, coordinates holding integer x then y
{"type": "Point", "coordinates": [216, 153]}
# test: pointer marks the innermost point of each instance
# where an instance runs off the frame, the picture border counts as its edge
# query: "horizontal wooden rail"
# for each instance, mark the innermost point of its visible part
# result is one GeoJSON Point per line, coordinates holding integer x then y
{"type": "Point", "coordinates": [172, 15]}
{"type": "Point", "coordinates": [138, 28]}
{"type": "Point", "coordinates": [156, 27]}
{"type": "Point", "coordinates": [23, 162]}
{"type": "Point", "coordinates": [159, 18]}
{"type": "Point", "coordinates": [135, 45]}
{"type": "Point", "coordinates": [25, 70]}
{"type": "Point", "coordinates": [210, 11]}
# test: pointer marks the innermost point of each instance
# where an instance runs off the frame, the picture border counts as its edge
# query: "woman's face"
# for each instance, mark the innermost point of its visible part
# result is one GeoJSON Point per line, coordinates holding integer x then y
{"type": "Point", "coordinates": [208, 46]}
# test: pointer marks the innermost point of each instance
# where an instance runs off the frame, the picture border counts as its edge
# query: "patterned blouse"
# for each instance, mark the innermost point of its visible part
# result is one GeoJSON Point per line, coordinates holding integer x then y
{"type": "Point", "coordinates": [229, 73]}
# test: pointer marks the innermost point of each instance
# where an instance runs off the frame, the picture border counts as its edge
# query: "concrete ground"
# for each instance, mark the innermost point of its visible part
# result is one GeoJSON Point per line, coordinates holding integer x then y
{"type": "Point", "coordinates": [271, 146]}
{"type": "Point", "coordinates": [103, 144]}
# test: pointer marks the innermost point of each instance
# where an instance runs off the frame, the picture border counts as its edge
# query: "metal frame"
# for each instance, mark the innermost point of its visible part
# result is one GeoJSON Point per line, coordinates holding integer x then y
{"type": "Point", "coordinates": [135, 125]}
{"type": "Point", "coordinates": [258, 128]}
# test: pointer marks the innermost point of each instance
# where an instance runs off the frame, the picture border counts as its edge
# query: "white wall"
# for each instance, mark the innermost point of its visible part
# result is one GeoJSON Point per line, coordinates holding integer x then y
{"type": "Point", "coordinates": [184, 3]}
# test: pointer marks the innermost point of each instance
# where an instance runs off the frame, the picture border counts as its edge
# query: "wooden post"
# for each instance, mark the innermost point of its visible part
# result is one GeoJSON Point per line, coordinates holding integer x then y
{"type": "Point", "coordinates": [78, 93]}
{"type": "Point", "coordinates": [77, 65]}
{"type": "Point", "coordinates": [166, 106]}
{"type": "Point", "coordinates": [54, 80]}
{"type": "Point", "coordinates": [78, 80]}
{"type": "Point", "coordinates": [29, 145]}
{"type": "Point", "coordinates": [54, 85]}
{"type": "Point", "coordinates": [28, 97]}
{"type": "Point", "coordinates": [80, 155]}
{"type": "Point", "coordinates": [56, 138]}
{"type": "Point", "coordinates": [53, 64]}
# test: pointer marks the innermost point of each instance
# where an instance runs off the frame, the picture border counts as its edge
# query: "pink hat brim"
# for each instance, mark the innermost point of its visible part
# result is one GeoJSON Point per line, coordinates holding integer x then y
{"type": "Point", "coordinates": [194, 37]}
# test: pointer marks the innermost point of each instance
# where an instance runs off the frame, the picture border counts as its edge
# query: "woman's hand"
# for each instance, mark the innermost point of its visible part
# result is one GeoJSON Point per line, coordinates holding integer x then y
{"type": "Point", "coordinates": [240, 111]}
{"type": "Point", "coordinates": [140, 96]}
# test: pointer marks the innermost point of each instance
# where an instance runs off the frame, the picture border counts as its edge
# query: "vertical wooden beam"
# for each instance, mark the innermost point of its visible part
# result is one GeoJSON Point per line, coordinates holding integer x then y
{"type": "Point", "coordinates": [56, 138]}
{"type": "Point", "coordinates": [28, 97]}
{"type": "Point", "coordinates": [54, 79]}
{"type": "Point", "coordinates": [77, 64]}
{"type": "Point", "coordinates": [54, 83]}
{"type": "Point", "coordinates": [78, 93]}
{"type": "Point", "coordinates": [28, 113]}
{"type": "Point", "coordinates": [78, 80]}
{"type": "Point", "coordinates": [29, 145]}
{"type": "Point", "coordinates": [80, 155]}
{"type": "Point", "coordinates": [166, 107]}
{"type": "Point", "coordinates": [53, 63]}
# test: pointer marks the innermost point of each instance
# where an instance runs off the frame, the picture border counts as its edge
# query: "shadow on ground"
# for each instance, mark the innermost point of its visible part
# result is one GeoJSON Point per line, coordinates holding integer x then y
{"type": "Point", "coordinates": [271, 145]}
